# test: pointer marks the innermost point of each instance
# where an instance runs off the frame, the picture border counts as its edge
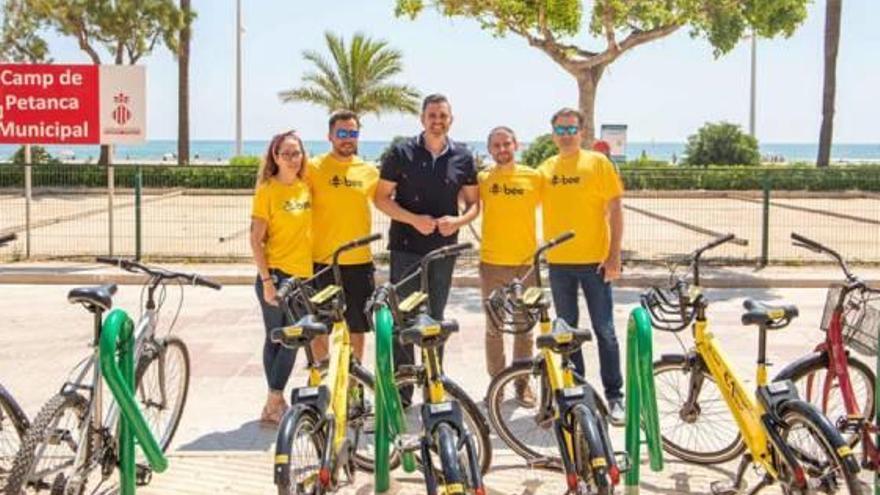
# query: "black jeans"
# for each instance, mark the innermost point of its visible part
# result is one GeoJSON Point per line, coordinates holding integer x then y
{"type": "Point", "coordinates": [277, 359]}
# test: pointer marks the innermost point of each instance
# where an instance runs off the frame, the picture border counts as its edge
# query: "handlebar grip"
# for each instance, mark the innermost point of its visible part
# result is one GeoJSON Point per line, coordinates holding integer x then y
{"type": "Point", "coordinates": [108, 260]}
{"type": "Point", "coordinates": [810, 244]}
{"type": "Point", "coordinates": [366, 240]}
{"type": "Point", "coordinates": [720, 241]}
{"type": "Point", "coordinates": [8, 238]}
{"type": "Point", "coordinates": [206, 283]}
{"type": "Point", "coordinates": [564, 237]}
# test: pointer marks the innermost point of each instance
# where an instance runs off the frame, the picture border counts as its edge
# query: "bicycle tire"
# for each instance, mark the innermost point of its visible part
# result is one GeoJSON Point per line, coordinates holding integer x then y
{"type": "Point", "coordinates": [474, 421]}
{"type": "Point", "coordinates": [587, 447]}
{"type": "Point", "coordinates": [446, 442]}
{"type": "Point", "coordinates": [303, 480]}
{"type": "Point", "coordinates": [855, 367]}
{"type": "Point", "coordinates": [792, 416]}
{"type": "Point", "coordinates": [731, 445]}
{"type": "Point", "coordinates": [13, 428]}
{"type": "Point", "coordinates": [148, 395]}
{"type": "Point", "coordinates": [26, 459]}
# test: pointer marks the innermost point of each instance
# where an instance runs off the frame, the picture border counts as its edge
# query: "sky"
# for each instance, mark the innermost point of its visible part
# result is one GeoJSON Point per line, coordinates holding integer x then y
{"type": "Point", "coordinates": [663, 91]}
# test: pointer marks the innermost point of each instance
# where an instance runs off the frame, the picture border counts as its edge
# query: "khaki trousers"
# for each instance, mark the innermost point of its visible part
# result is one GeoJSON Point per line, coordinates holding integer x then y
{"type": "Point", "coordinates": [491, 278]}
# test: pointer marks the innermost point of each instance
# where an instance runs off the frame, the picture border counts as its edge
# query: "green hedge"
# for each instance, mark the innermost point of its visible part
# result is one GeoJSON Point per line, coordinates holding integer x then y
{"type": "Point", "coordinates": [196, 177]}
{"type": "Point", "coordinates": [793, 178]}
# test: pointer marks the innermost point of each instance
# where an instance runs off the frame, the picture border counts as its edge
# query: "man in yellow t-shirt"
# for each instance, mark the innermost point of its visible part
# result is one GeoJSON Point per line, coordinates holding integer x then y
{"type": "Point", "coordinates": [343, 186]}
{"type": "Point", "coordinates": [582, 192]}
{"type": "Point", "coordinates": [510, 194]}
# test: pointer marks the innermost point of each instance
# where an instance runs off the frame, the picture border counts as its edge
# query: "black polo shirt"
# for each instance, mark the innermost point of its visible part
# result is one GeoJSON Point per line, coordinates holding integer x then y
{"type": "Point", "coordinates": [426, 186]}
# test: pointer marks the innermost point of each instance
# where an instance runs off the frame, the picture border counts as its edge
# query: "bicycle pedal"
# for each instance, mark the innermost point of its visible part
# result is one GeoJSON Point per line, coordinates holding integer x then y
{"type": "Point", "coordinates": [408, 443]}
{"type": "Point", "coordinates": [723, 487]}
{"type": "Point", "coordinates": [143, 475]}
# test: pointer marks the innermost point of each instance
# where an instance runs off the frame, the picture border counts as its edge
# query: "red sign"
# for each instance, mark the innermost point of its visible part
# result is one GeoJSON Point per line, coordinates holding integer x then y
{"type": "Point", "coordinates": [49, 104]}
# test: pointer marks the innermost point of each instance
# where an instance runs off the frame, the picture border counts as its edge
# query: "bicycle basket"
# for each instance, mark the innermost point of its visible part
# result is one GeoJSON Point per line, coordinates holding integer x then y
{"type": "Point", "coordinates": [506, 314]}
{"type": "Point", "coordinates": [830, 304]}
{"type": "Point", "coordinates": [860, 322]}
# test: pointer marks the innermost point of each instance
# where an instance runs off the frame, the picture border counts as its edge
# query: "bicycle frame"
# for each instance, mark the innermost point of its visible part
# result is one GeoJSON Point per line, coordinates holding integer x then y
{"type": "Point", "coordinates": [744, 409]}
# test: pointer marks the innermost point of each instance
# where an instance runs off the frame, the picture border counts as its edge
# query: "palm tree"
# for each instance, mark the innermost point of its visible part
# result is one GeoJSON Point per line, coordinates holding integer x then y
{"type": "Point", "coordinates": [183, 86]}
{"type": "Point", "coordinates": [832, 42]}
{"type": "Point", "coordinates": [356, 79]}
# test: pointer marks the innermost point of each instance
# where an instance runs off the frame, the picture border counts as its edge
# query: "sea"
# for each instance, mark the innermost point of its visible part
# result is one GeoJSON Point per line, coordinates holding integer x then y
{"type": "Point", "coordinates": [220, 151]}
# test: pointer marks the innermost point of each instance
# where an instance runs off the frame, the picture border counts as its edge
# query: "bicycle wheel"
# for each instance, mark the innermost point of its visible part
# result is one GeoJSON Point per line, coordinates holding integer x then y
{"type": "Point", "coordinates": [306, 447]}
{"type": "Point", "coordinates": [13, 427]}
{"type": "Point", "coordinates": [587, 445]}
{"type": "Point", "coordinates": [528, 431]}
{"type": "Point", "coordinates": [446, 443]}
{"type": "Point", "coordinates": [815, 451]}
{"type": "Point", "coordinates": [810, 383]}
{"type": "Point", "coordinates": [474, 422]}
{"type": "Point", "coordinates": [162, 379]}
{"type": "Point", "coordinates": [50, 445]}
{"type": "Point", "coordinates": [705, 434]}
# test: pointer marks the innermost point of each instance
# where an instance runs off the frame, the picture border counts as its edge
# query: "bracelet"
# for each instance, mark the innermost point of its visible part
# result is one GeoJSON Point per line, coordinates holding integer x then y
{"type": "Point", "coordinates": [267, 279]}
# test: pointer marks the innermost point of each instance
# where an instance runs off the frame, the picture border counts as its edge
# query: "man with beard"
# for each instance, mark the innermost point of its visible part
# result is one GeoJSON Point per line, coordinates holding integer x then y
{"type": "Point", "coordinates": [510, 195]}
{"type": "Point", "coordinates": [420, 185]}
{"type": "Point", "coordinates": [342, 187]}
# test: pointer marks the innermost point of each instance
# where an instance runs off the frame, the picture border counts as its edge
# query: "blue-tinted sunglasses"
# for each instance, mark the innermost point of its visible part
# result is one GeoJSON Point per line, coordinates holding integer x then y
{"type": "Point", "coordinates": [562, 130]}
{"type": "Point", "coordinates": [346, 134]}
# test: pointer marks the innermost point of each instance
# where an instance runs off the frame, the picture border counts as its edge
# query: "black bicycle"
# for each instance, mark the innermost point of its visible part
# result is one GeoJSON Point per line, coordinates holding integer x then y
{"type": "Point", "coordinates": [13, 421]}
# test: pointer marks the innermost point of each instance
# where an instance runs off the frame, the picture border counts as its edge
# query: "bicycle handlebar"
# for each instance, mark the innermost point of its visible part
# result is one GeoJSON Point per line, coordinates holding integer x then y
{"type": "Point", "coordinates": [158, 273]}
{"type": "Point", "coordinates": [6, 239]}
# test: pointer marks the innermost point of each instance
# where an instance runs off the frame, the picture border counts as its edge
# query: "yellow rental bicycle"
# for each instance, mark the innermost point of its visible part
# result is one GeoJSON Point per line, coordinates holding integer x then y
{"type": "Point", "coordinates": [787, 440]}
{"type": "Point", "coordinates": [567, 429]}
{"type": "Point", "coordinates": [328, 427]}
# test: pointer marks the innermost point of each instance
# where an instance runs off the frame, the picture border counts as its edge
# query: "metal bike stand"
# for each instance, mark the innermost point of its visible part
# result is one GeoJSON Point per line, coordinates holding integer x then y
{"type": "Point", "coordinates": [390, 420]}
{"type": "Point", "coordinates": [117, 366]}
{"type": "Point", "coordinates": [641, 398]}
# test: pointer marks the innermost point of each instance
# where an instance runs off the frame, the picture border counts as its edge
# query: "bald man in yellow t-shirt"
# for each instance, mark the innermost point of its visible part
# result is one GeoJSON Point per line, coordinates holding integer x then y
{"type": "Point", "coordinates": [582, 193]}
{"type": "Point", "coordinates": [510, 194]}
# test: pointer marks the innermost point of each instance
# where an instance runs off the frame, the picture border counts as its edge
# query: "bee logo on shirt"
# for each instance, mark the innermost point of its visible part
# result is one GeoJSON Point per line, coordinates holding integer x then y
{"type": "Point", "coordinates": [292, 205]}
{"type": "Point", "coordinates": [507, 191]}
{"type": "Point", "coordinates": [337, 181]}
{"type": "Point", "coordinates": [561, 180]}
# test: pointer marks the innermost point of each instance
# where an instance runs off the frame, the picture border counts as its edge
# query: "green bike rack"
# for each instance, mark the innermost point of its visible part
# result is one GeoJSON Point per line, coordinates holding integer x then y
{"type": "Point", "coordinates": [117, 366]}
{"type": "Point", "coordinates": [641, 398]}
{"type": "Point", "coordinates": [390, 421]}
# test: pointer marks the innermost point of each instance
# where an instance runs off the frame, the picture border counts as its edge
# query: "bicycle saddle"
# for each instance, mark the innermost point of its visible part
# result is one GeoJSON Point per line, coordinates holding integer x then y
{"type": "Point", "coordinates": [428, 332]}
{"type": "Point", "coordinates": [771, 317]}
{"type": "Point", "coordinates": [93, 298]}
{"type": "Point", "coordinates": [563, 338]}
{"type": "Point", "coordinates": [300, 333]}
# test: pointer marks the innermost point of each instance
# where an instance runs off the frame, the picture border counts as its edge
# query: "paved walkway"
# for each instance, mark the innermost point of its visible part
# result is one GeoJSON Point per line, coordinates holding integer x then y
{"type": "Point", "coordinates": [220, 448]}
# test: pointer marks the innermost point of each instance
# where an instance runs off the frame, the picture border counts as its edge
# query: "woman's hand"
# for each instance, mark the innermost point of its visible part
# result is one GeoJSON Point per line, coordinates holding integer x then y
{"type": "Point", "coordinates": [269, 294]}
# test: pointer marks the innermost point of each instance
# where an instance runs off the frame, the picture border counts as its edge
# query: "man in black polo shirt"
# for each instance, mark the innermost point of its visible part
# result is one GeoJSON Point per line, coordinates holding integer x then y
{"type": "Point", "coordinates": [420, 184]}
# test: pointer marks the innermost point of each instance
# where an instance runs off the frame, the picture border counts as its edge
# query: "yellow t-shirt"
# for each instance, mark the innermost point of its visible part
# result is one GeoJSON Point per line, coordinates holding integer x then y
{"type": "Point", "coordinates": [576, 193]}
{"type": "Point", "coordinates": [510, 200]}
{"type": "Point", "coordinates": [342, 193]}
{"type": "Point", "coordinates": [288, 212]}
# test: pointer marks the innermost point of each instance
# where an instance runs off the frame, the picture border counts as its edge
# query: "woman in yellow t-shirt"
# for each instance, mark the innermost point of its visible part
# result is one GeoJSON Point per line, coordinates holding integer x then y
{"type": "Point", "coordinates": [281, 223]}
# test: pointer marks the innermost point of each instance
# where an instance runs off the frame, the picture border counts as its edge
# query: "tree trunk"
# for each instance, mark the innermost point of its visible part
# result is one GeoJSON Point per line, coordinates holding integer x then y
{"type": "Point", "coordinates": [183, 89]}
{"type": "Point", "coordinates": [588, 82]}
{"type": "Point", "coordinates": [104, 157]}
{"type": "Point", "coordinates": [832, 42]}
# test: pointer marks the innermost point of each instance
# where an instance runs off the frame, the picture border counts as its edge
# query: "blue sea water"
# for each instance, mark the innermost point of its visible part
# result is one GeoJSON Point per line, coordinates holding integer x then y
{"type": "Point", "coordinates": [219, 151]}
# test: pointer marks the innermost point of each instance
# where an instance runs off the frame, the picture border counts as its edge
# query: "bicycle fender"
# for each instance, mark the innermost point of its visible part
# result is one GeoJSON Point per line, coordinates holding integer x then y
{"type": "Point", "coordinates": [283, 441]}
{"type": "Point", "coordinates": [828, 430]}
{"type": "Point", "coordinates": [589, 423]}
{"type": "Point", "coordinates": [805, 361]}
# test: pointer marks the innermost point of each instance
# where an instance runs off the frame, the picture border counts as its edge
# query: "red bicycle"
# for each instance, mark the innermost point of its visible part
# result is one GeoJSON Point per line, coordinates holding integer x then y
{"type": "Point", "coordinates": [840, 384]}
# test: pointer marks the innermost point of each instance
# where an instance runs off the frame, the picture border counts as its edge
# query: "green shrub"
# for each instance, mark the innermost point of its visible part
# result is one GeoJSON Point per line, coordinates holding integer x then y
{"type": "Point", "coordinates": [39, 156]}
{"type": "Point", "coordinates": [539, 150]}
{"type": "Point", "coordinates": [721, 144]}
{"type": "Point", "coordinates": [245, 161]}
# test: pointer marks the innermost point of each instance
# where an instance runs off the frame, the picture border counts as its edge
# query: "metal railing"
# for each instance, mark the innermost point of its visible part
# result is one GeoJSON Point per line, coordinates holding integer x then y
{"type": "Point", "coordinates": [203, 213]}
